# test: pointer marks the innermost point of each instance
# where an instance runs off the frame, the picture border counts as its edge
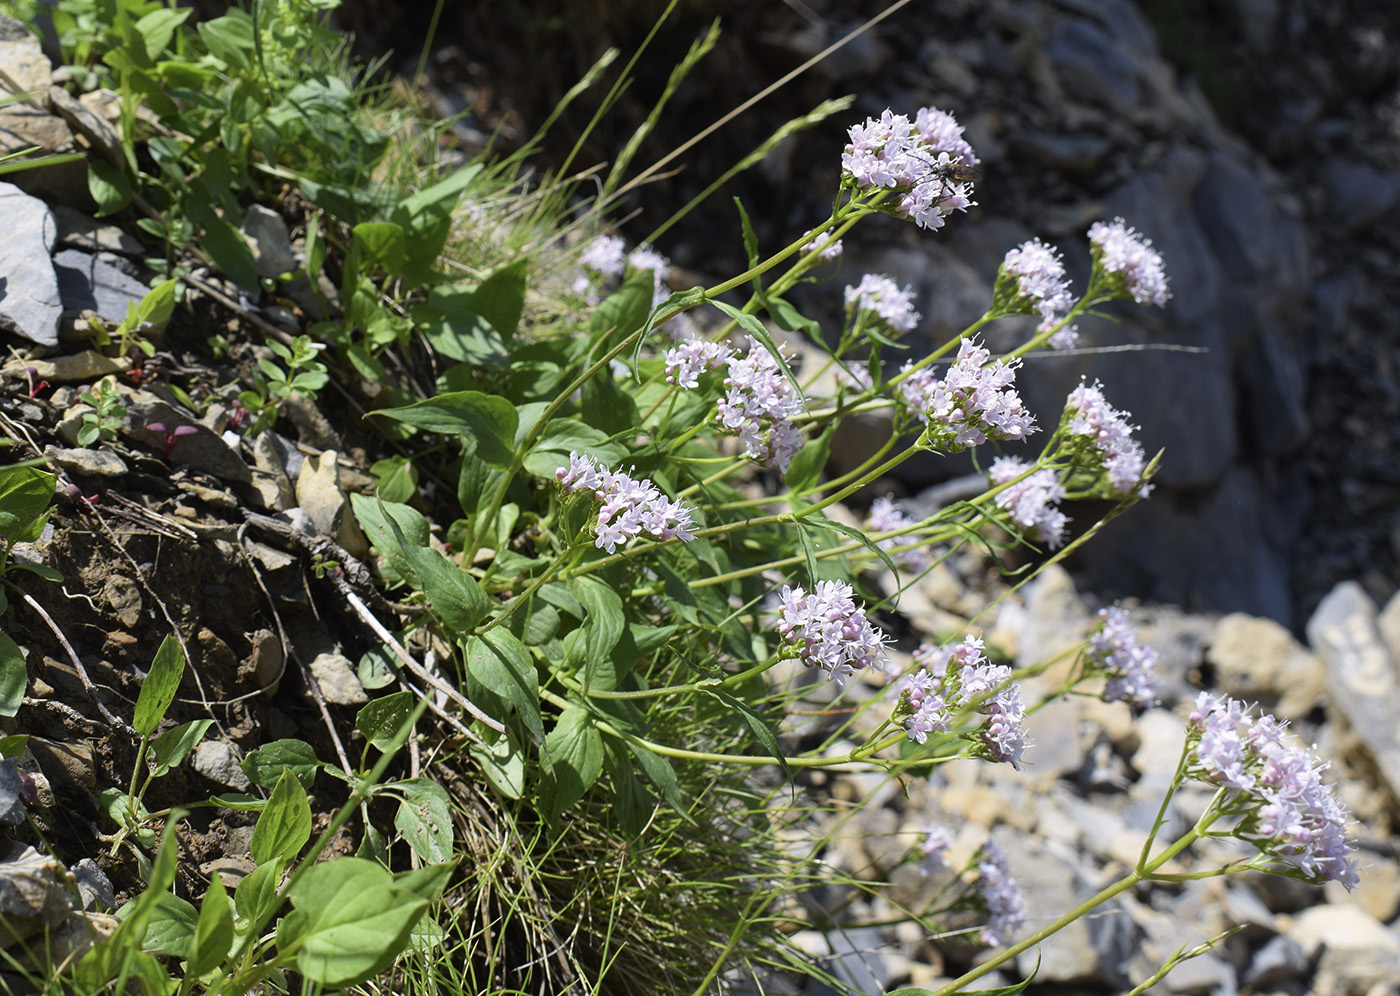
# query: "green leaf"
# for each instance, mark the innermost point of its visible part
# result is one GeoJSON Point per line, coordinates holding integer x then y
{"type": "Point", "coordinates": [13, 745]}
{"type": "Point", "coordinates": [230, 252]}
{"type": "Point", "coordinates": [564, 435]}
{"type": "Point", "coordinates": [498, 660]}
{"type": "Point", "coordinates": [159, 303]}
{"type": "Point", "coordinates": [755, 723]}
{"type": "Point", "coordinates": [485, 422]}
{"type": "Point", "coordinates": [790, 319]}
{"type": "Point", "coordinates": [602, 629]}
{"type": "Point", "coordinates": [213, 935]}
{"type": "Point", "coordinates": [426, 217]}
{"type": "Point", "coordinates": [427, 882]}
{"type": "Point", "coordinates": [809, 462]}
{"type": "Point", "coordinates": [463, 335]}
{"type": "Point", "coordinates": [158, 27]}
{"type": "Point", "coordinates": [625, 310]}
{"type": "Point", "coordinates": [172, 926]}
{"type": "Point", "coordinates": [453, 593]}
{"type": "Point", "coordinates": [393, 529]}
{"type": "Point", "coordinates": [662, 777]}
{"type": "Point", "coordinates": [755, 328]}
{"type": "Point", "coordinates": [500, 298]}
{"type": "Point", "coordinates": [378, 245]}
{"type": "Point", "coordinates": [170, 748]}
{"type": "Point", "coordinates": [24, 494]}
{"type": "Point", "coordinates": [229, 38]}
{"type": "Point", "coordinates": [821, 522]}
{"type": "Point", "coordinates": [502, 764]}
{"type": "Point", "coordinates": [285, 825]}
{"type": "Point", "coordinates": [351, 921]}
{"type": "Point", "coordinates": [159, 688]}
{"type": "Point", "coordinates": [632, 803]}
{"type": "Point", "coordinates": [378, 668]}
{"type": "Point", "coordinates": [397, 477]}
{"type": "Point", "coordinates": [14, 676]}
{"type": "Point", "coordinates": [425, 819]}
{"type": "Point", "coordinates": [575, 749]}
{"type": "Point", "coordinates": [109, 186]}
{"type": "Point", "coordinates": [379, 721]}
{"type": "Point", "coordinates": [265, 765]}
{"type": "Point", "coordinates": [255, 897]}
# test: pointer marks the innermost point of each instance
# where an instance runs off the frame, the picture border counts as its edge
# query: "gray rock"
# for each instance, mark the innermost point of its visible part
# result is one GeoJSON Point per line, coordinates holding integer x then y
{"type": "Point", "coordinates": [12, 793]}
{"type": "Point", "coordinates": [79, 230]}
{"type": "Point", "coordinates": [335, 675]}
{"type": "Point", "coordinates": [95, 283]}
{"type": "Point", "coordinates": [1363, 681]}
{"type": "Point", "coordinates": [94, 888]}
{"type": "Point", "coordinates": [33, 895]}
{"type": "Point", "coordinates": [1279, 960]}
{"type": "Point", "coordinates": [71, 368]}
{"type": "Point", "coordinates": [203, 449]}
{"type": "Point", "coordinates": [1359, 193]}
{"type": "Point", "coordinates": [94, 128]}
{"type": "Point", "coordinates": [1354, 951]}
{"type": "Point", "coordinates": [94, 463]}
{"type": "Point", "coordinates": [1092, 66]}
{"type": "Point", "coordinates": [22, 60]}
{"type": "Point", "coordinates": [1258, 660]}
{"type": "Point", "coordinates": [217, 761]}
{"type": "Point", "coordinates": [272, 244]}
{"type": "Point", "coordinates": [30, 305]}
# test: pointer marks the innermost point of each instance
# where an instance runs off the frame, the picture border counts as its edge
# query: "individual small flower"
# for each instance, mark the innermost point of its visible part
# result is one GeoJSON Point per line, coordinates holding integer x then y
{"type": "Point", "coordinates": [1032, 502]}
{"type": "Point", "coordinates": [1108, 432]}
{"type": "Point", "coordinates": [759, 406]}
{"type": "Point", "coordinates": [970, 404]}
{"type": "Point", "coordinates": [1287, 812]}
{"type": "Point", "coordinates": [1134, 268]}
{"type": "Point", "coordinates": [922, 161]}
{"type": "Point", "coordinates": [935, 849]}
{"type": "Point", "coordinates": [1131, 666]}
{"type": "Point", "coordinates": [630, 507]}
{"type": "Point", "coordinates": [1032, 281]}
{"type": "Point", "coordinates": [689, 358]}
{"type": "Point", "coordinates": [1000, 893]}
{"type": "Point", "coordinates": [826, 629]}
{"type": "Point", "coordinates": [605, 256]}
{"type": "Point", "coordinates": [828, 250]}
{"type": "Point", "coordinates": [881, 297]}
{"type": "Point", "coordinates": [886, 516]}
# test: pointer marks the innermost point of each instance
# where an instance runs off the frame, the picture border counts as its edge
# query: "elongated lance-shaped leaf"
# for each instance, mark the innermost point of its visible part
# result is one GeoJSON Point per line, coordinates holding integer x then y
{"type": "Point", "coordinates": [158, 690]}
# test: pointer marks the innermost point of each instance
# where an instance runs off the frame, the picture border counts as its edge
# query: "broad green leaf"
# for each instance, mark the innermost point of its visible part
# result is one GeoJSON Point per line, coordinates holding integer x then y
{"type": "Point", "coordinates": [500, 298]}
{"type": "Point", "coordinates": [351, 920]}
{"type": "Point", "coordinates": [632, 803]}
{"type": "Point", "coordinates": [485, 422]}
{"type": "Point", "coordinates": [172, 926]}
{"type": "Point", "coordinates": [575, 749]}
{"type": "Point", "coordinates": [625, 310]}
{"type": "Point", "coordinates": [379, 720]}
{"type": "Point", "coordinates": [158, 27]}
{"type": "Point", "coordinates": [117, 805]}
{"type": "Point", "coordinates": [285, 825]}
{"type": "Point", "coordinates": [24, 494]}
{"type": "Point", "coordinates": [159, 303]}
{"type": "Point", "coordinates": [378, 245]}
{"type": "Point", "coordinates": [453, 593]}
{"type": "Point", "coordinates": [255, 896]}
{"type": "Point", "coordinates": [229, 251]}
{"type": "Point", "coordinates": [462, 335]}
{"type": "Point", "coordinates": [427, 882]}
{"type": "Point", "coordinates": [790, 319]}
{"type": "Point", "coordinates": [213, 935]}
{"type": "Point", "coordinates": [560, 437]}
{"type": "Point", "coordinates": [160, 686]}
{"type": "Point", "coordinates": [109, 186]}
{"type": "Point", "coordinates": [13, 745]}
{"type": "Point", "coordinates": [14, 676]}
{"type": "Point", "coordinates": [378, 668]}
{"type": "Point", "coordinates": [265, 765]}
{"type": "Point", "coordinates": [499, 661]}
{"type": "Point", "coordinates": [662, 777]}
{"type": "Point", "coordinates": [502, 764]}
{"type": "Point", "coordinates": [393, 529]}
{"type": "Point", "coordinates": [229, 38]}
{"type": "Point", "coordinates": [602, 629]}
{"type": "Point", "coordinates": [170, 748]}
{"type": "Point", "coordinates": [425, 819]}
{"type": "Point", "coordinates": [397, 478]}
{"type": "Point", "coordinates": [426, 217]}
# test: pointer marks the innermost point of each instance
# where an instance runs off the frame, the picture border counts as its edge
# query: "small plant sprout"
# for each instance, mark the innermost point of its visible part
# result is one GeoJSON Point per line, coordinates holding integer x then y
{"type": "Point", "coordinates": [103, 422]}
{"type": "Point", "coordinates": [35, 384]}
{"type": "Point", "coordinates": [170, 436]}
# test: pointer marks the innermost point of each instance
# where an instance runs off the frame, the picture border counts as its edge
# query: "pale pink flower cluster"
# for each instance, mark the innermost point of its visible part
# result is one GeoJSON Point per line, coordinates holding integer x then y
{"type": "Point", "coordinates": [935, 848]}
{"type": "Point", "coordinates": [1001, 894]}
{"type": "Point", "coordinates": [644, 257]}
{"type": "Point", "coordinates": [1033, 502]}
{"type": "Point", "coordinates": [1291, 815]}
{"type": "Point", "coordinates": [886, 516]}
{"type": "Point", "coordinates": [759, 407]}
{"type": "Point", "coordinates": [827, 630]}
{"type": "Point", "coordinates": [691, 357]}
{"type": "Point", "coordinates": [630, 507]}
{"type": "Point", "coordinates": [605, 256]}
{"type": "Point", "coordinates": [829, 250]}
{"type": "Point", "coordinates": [927, 696]}
{"type": "Point", "coordinates": [882, 297]}
{"type": "Point", "coordinates": [972, 403]}
{"type": "Point", "coordinates": [1041, 288]}
{"type": "Point", "coordinates": [1107, 429]}
{"type": "Point", "coordinates": [1131, 665]}
{"type": "Point", "coordinates": [1130, 259]}
{"type": "Point", "coordinates": [916, 159]}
